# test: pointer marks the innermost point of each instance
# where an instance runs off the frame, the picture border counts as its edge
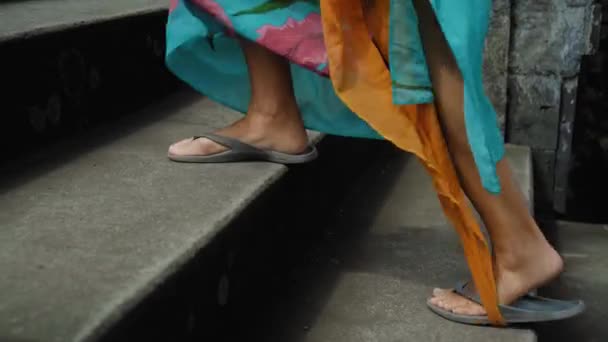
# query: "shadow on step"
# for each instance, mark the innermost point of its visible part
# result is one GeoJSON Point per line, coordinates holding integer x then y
{"type": "Point", "coordinates": [34, 165]}
{"type": "Point", "coordinates": [583, 247]}
{"type": "Point", "coordinates": [62, 84]}
{"type": "Point", "coordinates": [319, 246]}
{"type": "Point", "coordinates": [229, 291]}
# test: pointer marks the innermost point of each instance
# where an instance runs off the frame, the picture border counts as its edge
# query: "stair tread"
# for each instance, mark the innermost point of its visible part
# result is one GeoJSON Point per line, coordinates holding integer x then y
{"type": "Point", "coordinates": [90, 230]}
{"type": "Point", "coordinates": [22, 19]}
{"type": "Point", "coordinates": [392, 246]}
{"type": "Point", "coordinates": [583, 247]}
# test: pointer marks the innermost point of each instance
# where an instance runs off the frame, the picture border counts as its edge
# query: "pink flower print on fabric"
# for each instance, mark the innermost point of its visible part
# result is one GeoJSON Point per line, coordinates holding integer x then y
{"type": "Point", "coordinates": [299, 41]}
{"type": "Point", "coordinates": [172, 5]}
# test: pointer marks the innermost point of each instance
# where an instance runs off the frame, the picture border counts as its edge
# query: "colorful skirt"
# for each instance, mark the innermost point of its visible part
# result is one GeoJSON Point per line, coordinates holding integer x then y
{"type": "Point", "coordinates": [358, 70]}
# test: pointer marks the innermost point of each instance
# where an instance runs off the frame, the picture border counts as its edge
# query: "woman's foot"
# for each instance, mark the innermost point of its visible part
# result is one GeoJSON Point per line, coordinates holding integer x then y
{"type": "Point", "coordinates": [277, 132]}
{"type": "Point", "coordinates": [516, 275]}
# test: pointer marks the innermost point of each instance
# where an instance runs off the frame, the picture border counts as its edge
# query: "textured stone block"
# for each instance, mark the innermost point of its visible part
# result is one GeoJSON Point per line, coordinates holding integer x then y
{"type": "Point", "coordinates": [534, 110]}
{"type": "Point", "coordinates": [549, 36]}
{"type": "Point", "coordinates": [564, 150]}
{"type": "Point", "coordinates": [496, 63]}
{"type": "Point", "coordinates": [544, 178]}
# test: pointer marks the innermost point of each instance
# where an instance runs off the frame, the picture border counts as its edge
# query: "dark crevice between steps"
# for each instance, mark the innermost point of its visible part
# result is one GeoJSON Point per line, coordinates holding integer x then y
{"type": "Point", "coordinates": [227, 292]}
{"type": "Point", "coordinates": [42, 159]}
{"type": "Point", "coordinates": [308, 282]}
{"type": "Point", "coordinates": [63, 84]}
{"type": "Point", "coordinates": [587, 179]}
{"type": "Point", "coordinates": [313, 277]}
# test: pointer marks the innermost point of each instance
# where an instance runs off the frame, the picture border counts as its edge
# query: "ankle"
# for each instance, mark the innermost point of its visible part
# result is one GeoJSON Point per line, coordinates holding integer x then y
{"type": "Point", "coordinates": [281, 133]}
{"type": "Point", "coordinates": [522, 256]}
{"type": "Point", "coordinates": [510, 261]}
{"type": "Point", "coordinates": [266, 122]}
{"type": "Point", "coordinates": [273, 109]}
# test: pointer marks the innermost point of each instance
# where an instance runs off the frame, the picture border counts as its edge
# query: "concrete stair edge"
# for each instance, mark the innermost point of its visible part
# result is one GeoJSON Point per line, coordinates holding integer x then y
{"type": "Point", "coordinates": [124, 152]}
{"type": "Point", "coordinates": [26, 19]}
{"type": "Point", "coordinates": [392, 246]}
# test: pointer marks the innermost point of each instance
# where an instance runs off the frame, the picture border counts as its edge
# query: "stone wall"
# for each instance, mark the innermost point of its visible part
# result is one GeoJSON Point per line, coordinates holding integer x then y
{"type": "Point", "coordinates": [496, 68]}
{"type": "Point", "coordinates": [534, 53]}
{"type": "Point", "coordinates": [588, 181]}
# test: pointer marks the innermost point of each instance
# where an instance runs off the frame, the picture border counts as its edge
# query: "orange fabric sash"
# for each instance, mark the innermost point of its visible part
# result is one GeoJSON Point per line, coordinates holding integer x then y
{"type": "Point", "coordinates": [362, 81]}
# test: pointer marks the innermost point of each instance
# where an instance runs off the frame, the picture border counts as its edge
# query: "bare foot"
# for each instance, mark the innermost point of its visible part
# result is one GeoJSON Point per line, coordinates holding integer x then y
{"type": "Point", "coordinates": [534, 268]}
{"type": "Point", "coordinates": [281, 133]}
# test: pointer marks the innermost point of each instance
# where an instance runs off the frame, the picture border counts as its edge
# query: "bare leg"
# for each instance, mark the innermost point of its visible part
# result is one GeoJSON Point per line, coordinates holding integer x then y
{"type": "Point", "coordinates": [522, 256]}
{"type": "Point", "coordinates": [273, 120]}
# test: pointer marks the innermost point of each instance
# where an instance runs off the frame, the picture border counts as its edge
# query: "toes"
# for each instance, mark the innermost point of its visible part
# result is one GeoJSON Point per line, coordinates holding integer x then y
{"type": "Point", "coordinates": [470, 309]}
{"type": "Point", "coordinates": [450, 301]}
{"type": "Point", "coordinates": [183, 142]}
{"type": "Point", "coordinates": [173, 149]}
{"type": "Point", "coordinates": [180, 146]}
{"type": "Point", "coordinates": [455, 300]}
{"type": "Point", "coordinates": [195, 147]}
{"type": "Point", "coordinates": [437, 292]}
{"type": "Point", "coordinates": [435, 301]}
{"type": "Point", "coordinates": [442, 304]}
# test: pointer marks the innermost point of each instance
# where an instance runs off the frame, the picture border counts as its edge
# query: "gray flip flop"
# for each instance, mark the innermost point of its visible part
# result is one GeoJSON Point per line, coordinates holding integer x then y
{"type": "Point", "coordinates": [240, 151]}
{"type": "Point", "coordinates": [528, 309]}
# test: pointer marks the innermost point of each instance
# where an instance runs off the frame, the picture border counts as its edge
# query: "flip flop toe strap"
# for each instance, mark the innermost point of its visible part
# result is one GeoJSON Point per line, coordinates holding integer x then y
{"type": "Point", "coordinates": [233, 144]}
{"type": "Point", "coordinates": [509, 312]}
{"type": "Point", "coordinates": [463, 289]}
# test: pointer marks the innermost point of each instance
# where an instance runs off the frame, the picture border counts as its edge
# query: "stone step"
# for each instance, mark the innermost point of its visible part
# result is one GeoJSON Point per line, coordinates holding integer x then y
{"type": "Point", "coordinates": [388, 247]}
{"type": "Point", "coordinates": [92, 227]}
{"type": "Point", "coordinates": [89, 228]}
{"type": "Point", "coordinates": [72, 64]}
{"type": "Point", "coordinates": [583, 247]}
{"type": "Point", "coordinates": [27, 19]}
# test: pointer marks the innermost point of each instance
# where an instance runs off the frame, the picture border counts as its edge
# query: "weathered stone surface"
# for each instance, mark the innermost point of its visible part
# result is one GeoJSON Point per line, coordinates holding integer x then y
{"type": "Point", "coordinates": [24, 19]}
{"type": "Point", "coordinates": [547, 41]}
{"type": "Point", "coordinates": [549, 36]}
{"type": "Point", "coordinates": [88, 233]}
{"type": "Point", "coordinates": [534, 110]}
{"type": "Point", "coordinates": [595, 28]}
{"type": "Point", "coordinates": [496, 61]}
{"type": "Point", "coordinates": [544, 178]}
{"type": "Point", "coordinates": [589, 166]}
{"type": "Point", "coordinates": [389, 247]}
{"type": "Point", "coordinates": [564, 149]}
